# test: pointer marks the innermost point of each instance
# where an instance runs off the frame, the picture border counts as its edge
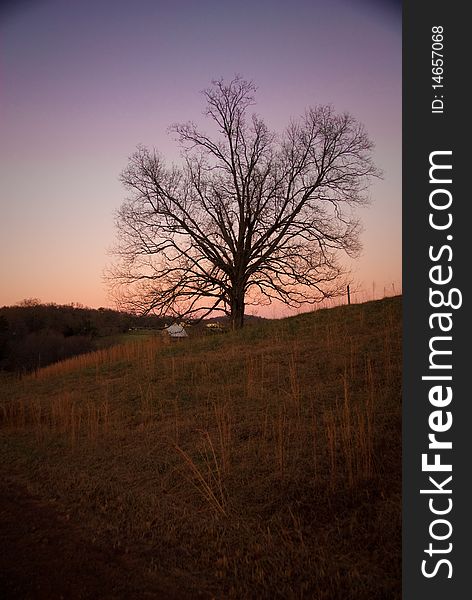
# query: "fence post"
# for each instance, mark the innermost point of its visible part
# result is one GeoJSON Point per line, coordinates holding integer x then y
{"type": "Point", "coordinates": [348, 295]}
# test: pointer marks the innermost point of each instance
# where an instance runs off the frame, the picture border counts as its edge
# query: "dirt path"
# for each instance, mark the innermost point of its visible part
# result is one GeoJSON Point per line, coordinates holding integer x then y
{"type": "Point", "coordinates": [45, 557]}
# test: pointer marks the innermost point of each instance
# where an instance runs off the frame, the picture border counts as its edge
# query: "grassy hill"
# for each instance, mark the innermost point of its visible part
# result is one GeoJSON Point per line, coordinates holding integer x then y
{"type": "Point", "coordinates": [263, 463]}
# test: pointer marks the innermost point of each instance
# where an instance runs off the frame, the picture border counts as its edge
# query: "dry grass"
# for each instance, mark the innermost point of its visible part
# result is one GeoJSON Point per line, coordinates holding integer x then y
{"type": "Point", "coordinates": [266, 460]}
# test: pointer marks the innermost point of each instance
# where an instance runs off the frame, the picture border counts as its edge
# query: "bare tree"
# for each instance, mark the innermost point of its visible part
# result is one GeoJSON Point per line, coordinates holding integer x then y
{"type": "Point", "coordinates": [249, 217]}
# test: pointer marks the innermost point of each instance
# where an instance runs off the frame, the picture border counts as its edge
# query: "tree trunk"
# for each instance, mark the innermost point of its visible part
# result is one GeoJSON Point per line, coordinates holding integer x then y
{"type": "Point", "coordinates": [237, 310]}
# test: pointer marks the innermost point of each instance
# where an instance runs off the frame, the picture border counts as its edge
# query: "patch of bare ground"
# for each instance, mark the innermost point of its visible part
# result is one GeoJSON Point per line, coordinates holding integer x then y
{"type": "Point", "coordinates": [47, 557]}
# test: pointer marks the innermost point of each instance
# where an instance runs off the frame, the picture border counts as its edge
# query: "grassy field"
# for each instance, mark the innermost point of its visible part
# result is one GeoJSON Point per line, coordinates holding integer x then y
{"type": "Point", "coordinates": [264, 463]}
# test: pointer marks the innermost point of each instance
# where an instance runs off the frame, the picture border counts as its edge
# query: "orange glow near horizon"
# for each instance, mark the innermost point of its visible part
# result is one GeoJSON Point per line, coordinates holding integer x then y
{"type": "Point", "coordinates": [79, 93]}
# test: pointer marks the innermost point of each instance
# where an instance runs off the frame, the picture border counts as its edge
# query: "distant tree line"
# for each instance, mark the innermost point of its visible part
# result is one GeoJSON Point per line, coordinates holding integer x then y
{"type": "Point", "coordinates": [33, 335]}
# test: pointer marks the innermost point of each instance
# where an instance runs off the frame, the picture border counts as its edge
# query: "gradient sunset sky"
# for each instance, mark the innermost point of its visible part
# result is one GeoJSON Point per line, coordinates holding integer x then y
{"type": "Point", "coordinates": [82, 83]}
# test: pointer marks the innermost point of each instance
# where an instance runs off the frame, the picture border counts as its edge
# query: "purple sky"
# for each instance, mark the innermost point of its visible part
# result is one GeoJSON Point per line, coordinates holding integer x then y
{"type": "Point", "coordinates": [82, 83]}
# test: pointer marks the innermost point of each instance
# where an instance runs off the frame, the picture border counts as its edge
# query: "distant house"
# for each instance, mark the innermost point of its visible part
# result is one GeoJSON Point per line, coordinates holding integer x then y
{"type": "Point", "coordinates": [176, 331]}
{"type": "Point", "coordinates": [215, 327]}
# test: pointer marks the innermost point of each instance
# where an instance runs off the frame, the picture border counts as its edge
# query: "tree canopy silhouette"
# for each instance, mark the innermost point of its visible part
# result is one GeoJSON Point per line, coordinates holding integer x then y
{"type": "Point", "coordinates": [249, 217]}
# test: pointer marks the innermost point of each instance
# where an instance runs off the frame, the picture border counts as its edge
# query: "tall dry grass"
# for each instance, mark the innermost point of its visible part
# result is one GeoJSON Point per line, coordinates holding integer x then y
{"type": "Point", "coordinates": [270, 457]}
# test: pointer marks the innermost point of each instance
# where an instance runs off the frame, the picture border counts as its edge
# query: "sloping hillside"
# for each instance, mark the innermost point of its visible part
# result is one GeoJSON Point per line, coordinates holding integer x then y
{"type": "Point", "coordinates": [264, 463]}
